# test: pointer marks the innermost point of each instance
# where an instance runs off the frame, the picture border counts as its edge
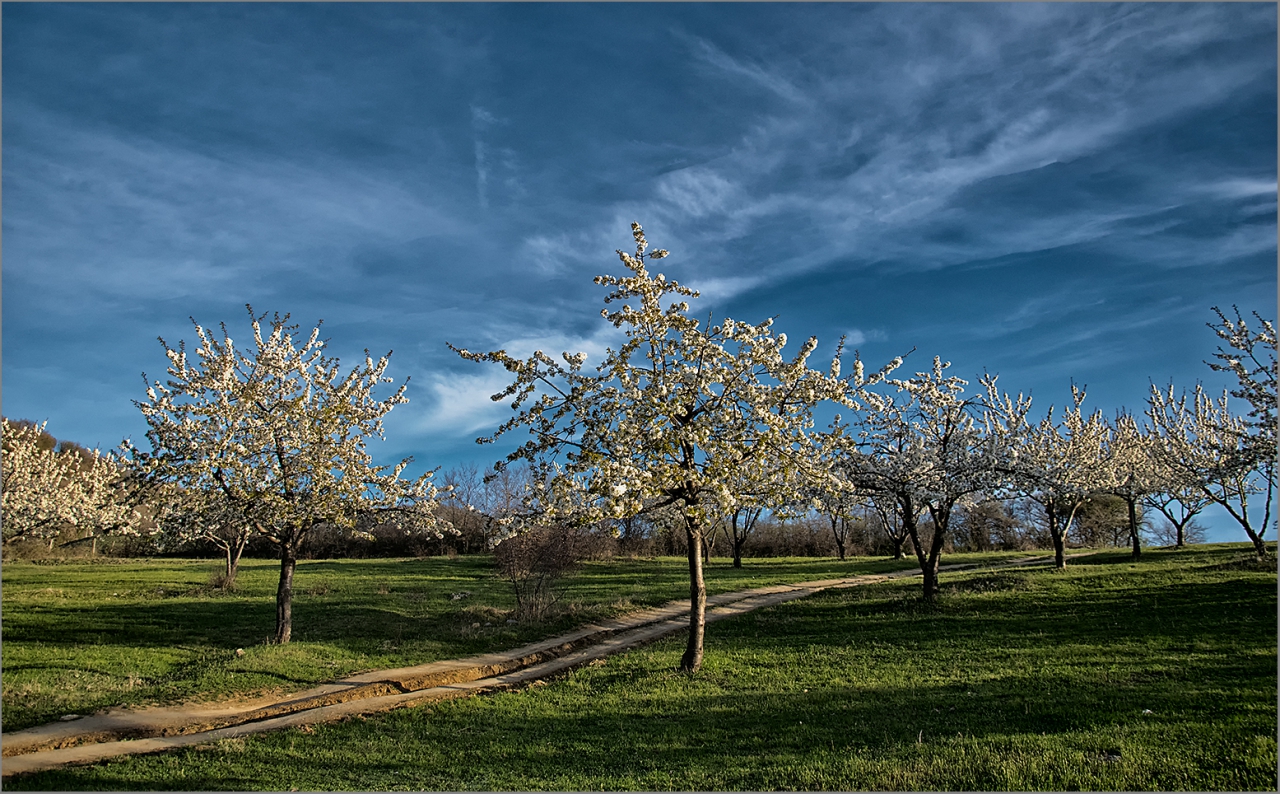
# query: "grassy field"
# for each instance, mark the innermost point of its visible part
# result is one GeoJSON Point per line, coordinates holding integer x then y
{"type": "Point", "coordinates": [1110, 675]}
{"type": "Point", "coordinates": [80, 636]}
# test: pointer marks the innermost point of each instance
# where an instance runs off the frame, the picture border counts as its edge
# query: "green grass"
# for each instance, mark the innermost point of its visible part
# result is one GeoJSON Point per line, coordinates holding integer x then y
{"type": "Point", "coordinates": [83, 636]}
{"type": "Point", "coordinates": [1111, 675]}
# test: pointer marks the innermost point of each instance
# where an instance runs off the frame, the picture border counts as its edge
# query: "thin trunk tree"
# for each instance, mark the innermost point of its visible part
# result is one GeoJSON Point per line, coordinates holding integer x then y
{"type": "Point", "coordinates": [929, 449]}
{"type": "Point", "coordinates": [669, 419]}
{"type": "Point", "coordinates": [273, 438]}
{"type": "Point", "coordinates": [741, 522]}
{"type": "Point", "coordinates": [1180, 506]}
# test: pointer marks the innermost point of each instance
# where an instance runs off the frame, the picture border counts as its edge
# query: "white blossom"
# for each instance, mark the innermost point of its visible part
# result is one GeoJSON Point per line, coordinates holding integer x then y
{"type": "Point", "coordinates": [1058, 465]}
{"type": "Point", "coordinates": [43, 490]}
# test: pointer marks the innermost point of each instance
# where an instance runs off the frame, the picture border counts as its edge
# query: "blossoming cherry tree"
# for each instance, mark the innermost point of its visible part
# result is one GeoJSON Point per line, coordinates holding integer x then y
{"type": "Point", "coordinates": [669, 418]}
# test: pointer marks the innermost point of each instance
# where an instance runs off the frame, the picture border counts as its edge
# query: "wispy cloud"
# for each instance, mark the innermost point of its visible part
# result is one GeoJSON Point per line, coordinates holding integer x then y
{"type": "Point", "coordinates": [908, 174]}
{"type": "Point", "coordinates": [163, 220]}
{"type": "Point", "coordinates": [492, 162]}
{"type": "Point", "coordinates": [858, 336]}
{"type": "Point", "coordinates": [769, 79]}
{"type": "Point", "coordinates": [481, 118]}
{"type": "Point", "coordinates": [482, 176]}
{"type": "Point", "coordinates": [481, 121]}
{"type": "Point", "coordinates": [554, 344]}
{"type": "Point", "coordinates": [698, 192]}
{"type": "Point", "coordinates": [1241, 188]}
{"type": "Point", "coordinates": [460, 403]}
{"type": "Point", "coordinates": [720, 290]}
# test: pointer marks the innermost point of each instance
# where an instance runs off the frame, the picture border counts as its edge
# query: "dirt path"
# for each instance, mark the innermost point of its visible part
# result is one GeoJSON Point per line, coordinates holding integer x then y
{"type": "Point", "coordinates": [131, 731]}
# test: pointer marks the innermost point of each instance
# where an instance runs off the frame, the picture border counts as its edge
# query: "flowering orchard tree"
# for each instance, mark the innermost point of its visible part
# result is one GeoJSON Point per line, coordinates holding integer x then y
{"type": "Point", "coordinates": [39, 494]}
{"type": "Point", "coordinates": [834, 492]}
{"type": "Point", "coordinates": [1180, 504]}
{"type": "Point", "coordinates": [739, 525]}
{"type": "Point", "coordinates": [1058, 464]}
{"type": "Point", "coordinates": [480, 507]}
{"type": "Point", "coordinates": [1225, 457]}
{"type": "Point", "coordinates": [273, 438]}
{"type": "Point", "coordinates": [187, 515]}
{"type": "Point", "coordinates": [1132, 469]}
{"type": "Point", "coordinates": [45, 490]}
{"type": "Point", "coordinates": [931, 448]}
{"type": "Point", "coordinates": [875, 457]}
{"type": "Point", "coordinates": [1208, 448]}
{"type": "Point", "coordinates": [670, 418]}
{"type": "Point", "coordinates": [884, 508]}
{"type": "Point", "coordinates": [840, 509]}
{"type": "Point", "coordinates": [755, 489]}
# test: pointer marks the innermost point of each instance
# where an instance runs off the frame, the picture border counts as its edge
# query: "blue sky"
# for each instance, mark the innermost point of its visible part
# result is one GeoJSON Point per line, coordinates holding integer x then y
{"type": "Point", "coordinates": [1049, 192]}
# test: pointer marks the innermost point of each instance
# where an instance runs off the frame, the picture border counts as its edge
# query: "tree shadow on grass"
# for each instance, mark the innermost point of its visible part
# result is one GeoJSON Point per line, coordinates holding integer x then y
{"type": "Point", "coordinates": [1166, 556]}
{"type": "Point", "coordinates": [162, 623]}
{"type": "Point", "coordinates": [1186, 613]}
{"type": "Point", "coordinates": [739, 740]}
{"type": "Point", "coordinates": [441, 568]}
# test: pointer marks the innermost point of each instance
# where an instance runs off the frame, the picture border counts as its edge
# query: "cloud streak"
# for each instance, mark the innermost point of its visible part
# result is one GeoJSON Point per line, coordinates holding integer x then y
{"type": "Point", "coordinates": [768, 79]}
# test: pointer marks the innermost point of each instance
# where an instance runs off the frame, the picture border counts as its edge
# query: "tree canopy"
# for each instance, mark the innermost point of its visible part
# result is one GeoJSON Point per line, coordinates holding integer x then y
{"type": "Point", "coordinates": [273, 439]}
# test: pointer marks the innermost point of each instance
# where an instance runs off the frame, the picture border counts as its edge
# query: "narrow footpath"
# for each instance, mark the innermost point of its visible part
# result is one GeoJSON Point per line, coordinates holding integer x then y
{"type": "Point", "coordinates": [123, 731]}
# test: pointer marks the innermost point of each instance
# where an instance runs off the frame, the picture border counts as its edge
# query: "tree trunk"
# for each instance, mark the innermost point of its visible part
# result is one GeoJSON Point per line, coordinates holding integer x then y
{"type": "Point", "coordinates": [737, 551]}
{"type": "Point", "coordinates": [839, 541]}
{"type": "Point", "coordinates": [284, 593]}
{"type": "Point", "coordinates": [234, 551]}
{"type": "Point", "coordinates": [1259, 545]}
{"type": "Point", "coordinates": [1059, 535]}
{"type": "Point", "coordinates": [1242, 516]}
{"type": "Point", "coordinates": [929, 562]}
{"type": "Point", "coordinates": [928, 566]}
{"type": "Point", "coordinates": [1133, 527]}
{"type": "Point", "coordinates": [692, 658]}
{"type": "Point", "coordinates": [919, 550]}
{"type": "Point", "coordinates": [897, 547]}
{"type": "Point", "coordinates": [930, 569]}
{"type": "Point", "coordinates": [931, 582]}
{"type": "Point", "coordinates": [1059, 551]}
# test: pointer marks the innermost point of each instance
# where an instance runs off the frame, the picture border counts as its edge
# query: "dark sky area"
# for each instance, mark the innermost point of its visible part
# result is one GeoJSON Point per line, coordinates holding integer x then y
{"type": "Point", "coordinates": [1050, 192]}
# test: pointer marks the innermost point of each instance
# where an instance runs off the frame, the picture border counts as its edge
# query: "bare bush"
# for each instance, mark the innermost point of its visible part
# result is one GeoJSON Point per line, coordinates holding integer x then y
{"type": "Point", "coordinates": [807, 536]}
{"type": "Point", "coordinates": [993, 524]}
{"type": "Point", "coordinates": [535, 560]}
{"type": "Point", "coordinates": [1165, 533]}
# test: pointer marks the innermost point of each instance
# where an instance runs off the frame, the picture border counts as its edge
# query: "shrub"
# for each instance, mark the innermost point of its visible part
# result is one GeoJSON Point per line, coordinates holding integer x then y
{"type": "Point", "coordinates": [535, 560]}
